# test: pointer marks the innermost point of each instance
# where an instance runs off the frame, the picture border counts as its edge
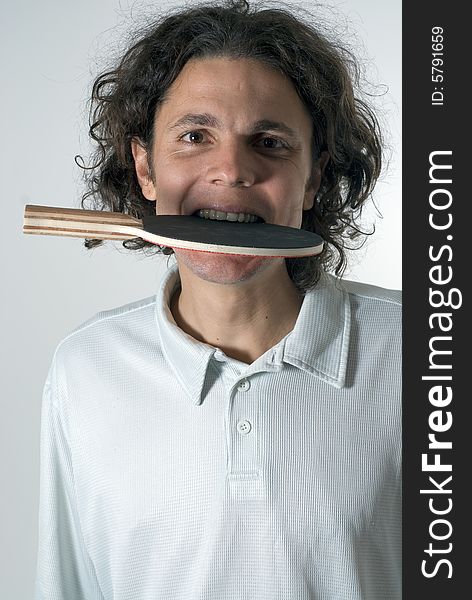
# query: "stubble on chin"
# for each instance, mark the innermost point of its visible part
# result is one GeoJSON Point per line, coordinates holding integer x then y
{"type": "Point", "coordinates": [224, 269]}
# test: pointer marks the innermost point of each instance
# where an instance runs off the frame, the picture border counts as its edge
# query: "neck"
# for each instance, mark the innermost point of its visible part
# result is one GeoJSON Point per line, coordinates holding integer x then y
{"type": "Point", "coordinates": [243, 319]}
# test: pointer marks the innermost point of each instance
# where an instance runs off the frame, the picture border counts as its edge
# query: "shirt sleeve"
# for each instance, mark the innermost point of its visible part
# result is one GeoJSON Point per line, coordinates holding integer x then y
{"type": "Point", "coordinates": [64, 569]}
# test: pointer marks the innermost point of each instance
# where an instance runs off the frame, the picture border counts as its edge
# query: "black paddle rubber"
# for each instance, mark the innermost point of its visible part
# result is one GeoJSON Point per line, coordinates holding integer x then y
{"type": "Point", "coordinates": [229, 233]}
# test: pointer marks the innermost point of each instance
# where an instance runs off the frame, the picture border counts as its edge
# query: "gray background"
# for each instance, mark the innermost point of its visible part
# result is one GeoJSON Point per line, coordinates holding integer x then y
{"type": "Point", "coordinates": [50, 52]}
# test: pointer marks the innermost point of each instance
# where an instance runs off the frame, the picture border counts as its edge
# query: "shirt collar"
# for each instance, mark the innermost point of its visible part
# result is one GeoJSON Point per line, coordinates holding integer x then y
{"type": "Point", "coordinates": [318, 344]}
{"type": "Point", "coordinates": [187, 357]}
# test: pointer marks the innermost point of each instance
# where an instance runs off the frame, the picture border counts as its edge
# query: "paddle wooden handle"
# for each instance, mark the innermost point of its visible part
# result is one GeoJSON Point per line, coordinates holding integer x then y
{"type": "Point", "coordinates": [76, 222]}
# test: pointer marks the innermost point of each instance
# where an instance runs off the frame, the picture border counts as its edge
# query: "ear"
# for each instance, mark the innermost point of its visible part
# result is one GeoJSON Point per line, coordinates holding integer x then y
{"type": "Point", "coordinates": [141, 164]}
{"type": "Point", "coordinates": [315, 180]}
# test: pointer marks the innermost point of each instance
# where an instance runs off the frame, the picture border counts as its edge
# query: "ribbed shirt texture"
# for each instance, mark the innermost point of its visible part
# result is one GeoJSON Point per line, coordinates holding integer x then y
{"type": "Point", "coordinates": [170, 471]}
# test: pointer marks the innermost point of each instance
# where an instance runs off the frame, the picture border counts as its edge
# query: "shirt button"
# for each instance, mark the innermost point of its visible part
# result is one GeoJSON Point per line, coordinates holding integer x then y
{"type": "Point", "coordinates": [244, 427]}
{"type": "Point", "coordinates": [244, 385]}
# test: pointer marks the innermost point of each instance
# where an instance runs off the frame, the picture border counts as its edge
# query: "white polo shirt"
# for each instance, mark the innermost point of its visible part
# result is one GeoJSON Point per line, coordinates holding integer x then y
{"type": "Point", "coordinates": [172, 472]}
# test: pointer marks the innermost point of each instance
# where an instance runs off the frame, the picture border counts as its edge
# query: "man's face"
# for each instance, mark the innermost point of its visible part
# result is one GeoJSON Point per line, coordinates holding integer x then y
{"type": "Point", "coordinates": [231, 136]}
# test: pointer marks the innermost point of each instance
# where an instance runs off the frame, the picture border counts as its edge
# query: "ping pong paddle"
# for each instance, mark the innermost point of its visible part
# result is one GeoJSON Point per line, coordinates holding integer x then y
{"type": "Point", "coordinates": [175, 231]}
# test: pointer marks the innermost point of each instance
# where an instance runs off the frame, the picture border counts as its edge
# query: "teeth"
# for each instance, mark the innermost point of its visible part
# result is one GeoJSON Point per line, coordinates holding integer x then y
{"type": "Point", "coordinates": [218, 215]}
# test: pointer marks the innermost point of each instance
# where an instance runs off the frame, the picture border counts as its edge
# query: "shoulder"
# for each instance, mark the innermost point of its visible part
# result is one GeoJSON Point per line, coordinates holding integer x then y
{"type": "Point", "coordinates": [376, 312]}
{"type": "Point", "coordinates": [120, 314]}
{"type": "Point", "coordinates": [374, 305]}
{"type": "Point", "coordinates": [103, 356]}
{"type": "Point", "coordinates": [109, 330]}
{"type": "Point", "coordinates": [372, 294]}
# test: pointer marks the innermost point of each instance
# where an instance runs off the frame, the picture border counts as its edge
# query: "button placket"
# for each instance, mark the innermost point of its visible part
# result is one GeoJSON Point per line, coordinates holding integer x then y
{"type": "Point", "coordinates": [243, 431]}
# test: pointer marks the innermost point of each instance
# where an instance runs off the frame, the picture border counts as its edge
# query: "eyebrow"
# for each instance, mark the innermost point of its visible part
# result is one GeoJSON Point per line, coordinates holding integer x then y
{"type": "Point", "coordinates": [208, 120]}
{"type": "Point", "coordinates": [202, 119]}
{"type": "Point", "coordinates": [277, 126]}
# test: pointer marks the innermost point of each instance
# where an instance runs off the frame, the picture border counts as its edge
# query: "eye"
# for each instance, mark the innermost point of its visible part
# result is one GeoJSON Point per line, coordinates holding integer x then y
{"type": "Point", "coordinates": [193, 137]}
{"type": "Point", "coordinates": [272, 143]}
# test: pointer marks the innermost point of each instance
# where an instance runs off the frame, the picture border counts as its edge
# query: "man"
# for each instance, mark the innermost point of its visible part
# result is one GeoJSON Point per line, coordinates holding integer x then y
{"type": "Point", "coordinates": [237, 435]}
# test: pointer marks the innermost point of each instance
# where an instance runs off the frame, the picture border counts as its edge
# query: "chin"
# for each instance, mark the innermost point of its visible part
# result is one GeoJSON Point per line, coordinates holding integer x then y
{"type": "Point", "coordinates": [225, 269]}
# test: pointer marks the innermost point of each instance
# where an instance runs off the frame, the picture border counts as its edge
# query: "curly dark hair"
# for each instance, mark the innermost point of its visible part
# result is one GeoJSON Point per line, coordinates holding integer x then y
{"type": "Point", "coordinates": [325, 75]}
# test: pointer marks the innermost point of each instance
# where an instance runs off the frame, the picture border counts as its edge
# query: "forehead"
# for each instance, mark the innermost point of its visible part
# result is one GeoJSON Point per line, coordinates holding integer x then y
{"type": "Point", "coordinates": [238, 90]}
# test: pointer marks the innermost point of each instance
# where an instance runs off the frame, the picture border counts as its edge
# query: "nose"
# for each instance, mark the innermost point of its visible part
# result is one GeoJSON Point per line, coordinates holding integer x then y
{"type": "Point", "coordinates": [231, 165]}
